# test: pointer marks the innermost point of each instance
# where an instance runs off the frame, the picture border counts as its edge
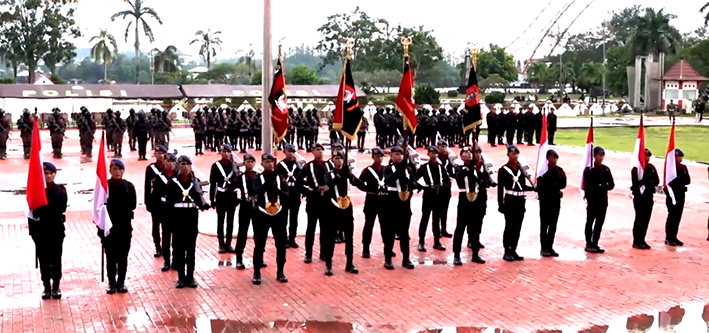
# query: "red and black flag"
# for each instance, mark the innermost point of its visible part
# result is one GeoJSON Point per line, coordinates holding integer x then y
{"type": "Point", "coordinates": [405, 102]}
{"type": "Point", "coordinates": [472, 116]}
{"type": "Point", "coordinates": [279, 103]}
{"type": "Point", "coordinates": [348, 115]}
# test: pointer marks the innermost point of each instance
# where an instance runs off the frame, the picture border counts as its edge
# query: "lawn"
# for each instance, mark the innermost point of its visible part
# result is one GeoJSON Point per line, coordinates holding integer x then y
{"type": "Point", "coordinates": [693, 140]}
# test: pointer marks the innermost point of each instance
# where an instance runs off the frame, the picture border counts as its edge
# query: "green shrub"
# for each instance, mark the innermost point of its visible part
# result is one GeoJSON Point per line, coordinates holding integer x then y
{"type": "Point", "coordinates": [495, 97]}
{"type": "Point", "coordinates": [452, 93]}
{"type": "Point", "coordinates": [7, 80]}
{"type": "Point", "coordinates": [427, 95]}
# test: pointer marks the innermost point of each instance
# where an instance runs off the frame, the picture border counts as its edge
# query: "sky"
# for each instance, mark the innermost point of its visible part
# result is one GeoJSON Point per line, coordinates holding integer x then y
{"type": "Point", "coordinates": [455, 23]}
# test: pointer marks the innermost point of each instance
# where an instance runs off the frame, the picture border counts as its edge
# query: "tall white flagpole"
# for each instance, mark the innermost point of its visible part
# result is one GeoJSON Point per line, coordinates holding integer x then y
{"type": "Point", "coordinates": [267, 77]}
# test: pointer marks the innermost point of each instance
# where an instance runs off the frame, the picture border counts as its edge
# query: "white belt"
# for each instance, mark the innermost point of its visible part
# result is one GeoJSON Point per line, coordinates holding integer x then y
{"type": "Point", "coordinates": [514, 193]}
{"type": "Point", "coordinates": [392, 189]}
{"type": "Point", "coordinates": [163, 199]}
{"type": "Point", "coordinates": [221, 189]}
{"type": "Point", "coordinates": [185, 205]}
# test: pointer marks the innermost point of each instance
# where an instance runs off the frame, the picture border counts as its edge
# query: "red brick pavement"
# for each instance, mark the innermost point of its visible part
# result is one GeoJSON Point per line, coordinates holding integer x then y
{"type": "Point", "coordinates": [573, 292]}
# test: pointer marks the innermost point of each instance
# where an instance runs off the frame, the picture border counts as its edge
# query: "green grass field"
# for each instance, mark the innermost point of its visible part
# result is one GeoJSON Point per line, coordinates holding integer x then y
{"type": "Point", "coordinates": [693, 140]}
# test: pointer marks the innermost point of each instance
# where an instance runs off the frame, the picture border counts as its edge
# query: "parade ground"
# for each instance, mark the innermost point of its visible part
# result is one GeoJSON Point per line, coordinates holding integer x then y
{"type": "Point", "coordinates": [624, 290]}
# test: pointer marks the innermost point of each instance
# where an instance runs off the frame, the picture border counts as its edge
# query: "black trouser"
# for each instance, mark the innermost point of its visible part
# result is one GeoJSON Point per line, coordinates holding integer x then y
{"type": "Point", "coordinates": [218, 140]}
{"type": "Point", "coordinates": [210, 139]}
{"type": "Point", "coordinates": [360, 140]}
{"type": "Point", "coordinates": [551, 136]}
{"type": "Point", "coordinates": [314, 208]}
{"type": "Point", "coordinates": [167, 235]}
{"type": "Point", "coordinates": [538, 134]}
{"type": "Point", "coordinates": [529, 136]}
{"type": "Point", "coordinates": [277, 224]}
{"type": "Point", "coordinates": [158, 217]}
{"type": "Point", "coordinates": [57, 141]}
{"type": "Point", "coordinates": [117, 246]}
{"type": "Point", "coordinates": [109, 139]}
{"type": "Point", "coordinates": [301, 139]}
{"type": "Point", "coordinates": [142, 146]}
{"type": "Point", "coordinates": [373, 207]}
{"type": "Point", "coordinates": [337, 220]}
{"type": "Point", "coordinates": [674, 216]}
{"type": "Point", "coordinates": [397, 220]}
{"type": "Point", "coordinates": [470, 216]}
{"type": "Point", "coordinates": [225, 211]}
{"type": "Point", "coordinates": [500, 136]}
{"type": "Point", "coordinates": [510, 136]}
{"type": "Point", "coordinates": [257, 139]}
{"type": "Point", "coordinates": [491, 135]}
{"type": "Point", "coordinates": [514, 208]}
{"type": "Point", "coordinates": [548, 218]}
{"type": "Point", "coordinates": [87, 143]}
{"type": "Point", "coordinates": [643, 213]}
{"type": "Point", "coordinates": [131, 139]}
{"type": "Point", "coordinates": [246, 216]}
{"type": "Point", "coordinates": [49, 254]}
{"type": "Point", "coordinates": [198, 142]}
{"type": "Point", "coordinates": [243, 141]}
{"type": "Point", "coordinates": [595, 216]}
{"type": "Point", "coordinates": [520, 135]}
{"type": "Point", "coordinates": [3, 144]}
{"type": "Point", "coordinates": [117, 144]}
{"type": "Point", "coordinates": [26, 144]}
{"type": "Point", "coordinates": [292, 210]}
{"type": "Point", "coordinates": [431, 203]}
{"type": "Point", "coordinates": [185, 233]}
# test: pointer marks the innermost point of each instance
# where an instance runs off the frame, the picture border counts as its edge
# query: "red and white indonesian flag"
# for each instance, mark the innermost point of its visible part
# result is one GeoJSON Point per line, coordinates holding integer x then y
{"type": "Point", "coordinates": [639, 152]}
{"type": "Point", "coordinates": [36, 187]}
{"type": "Point", "coordinates": [588, 154]}
{"type": "Point", "coordinates": [100, 211]}
{"type": "Point", "coordinates": [542, 163]}
{"type": "Point", "coordinates": [671, 165]}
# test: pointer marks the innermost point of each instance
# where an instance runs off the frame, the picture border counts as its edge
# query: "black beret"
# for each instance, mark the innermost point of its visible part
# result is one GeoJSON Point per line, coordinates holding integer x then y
{"type": "Point", "coordinates": [679, 152]}
{"type": "Point", "coordinates": [267, 157]}
{"type": "Point", "coordinates": [248, 156]}
{"type": "Point", "coordinates": [512, 148]}
{"type": "Point", "coordinates": [648, 152]}
{"type": "Point", "coordinates": [433, 149]}
{"type": "Point", "coordinates": [184, 159]}
{"type": "Point", "coordinates": [552, 152]}
{"type": "Point", "coordinates": [118, 163]}
{"type": "Point", "coordinates": [318, 146]}
{"type": "Point", "coordinates": [442, 143]}
{"type": "Point", "coordinates": [49, 166]}
{"type": "Point", "coordinates": [377, 151]}
{"type": "Point", "coordinates": [290, 148]}
{"type": "Point", "coordinates": [170, 157]}
{"type": "Point", "coordinates": [338, 154]}
{"type": "Point", "coordinates": [396, 149]}
{"type": "Point", "coordinates": [599, 150]}
{"type": "Point", "coordinates": [337, 145]}
{"type": "Point", "coordinates": [161, 148]}
{"type": "Point", "coordinates": [227, 147]}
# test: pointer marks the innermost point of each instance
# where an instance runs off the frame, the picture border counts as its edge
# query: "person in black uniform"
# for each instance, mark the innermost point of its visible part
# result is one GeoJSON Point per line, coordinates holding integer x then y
{"type": "Point", "coordinates": [675, 206]}
{"type": "Point", "coordinates": [247, 209]}
{"type": "Point", "coordinates": [46, 227]}
{"type": "Point", "coordinates": [290, 169]}
{"type": "Point", "coordinates": [339, 212]}
{"type": "Point", "coordinates": [121, 203]}
{"type": "Point", "coordinates": [491, 127]}
{"type": "Point", "coordinates": [211, 125]}
{"type": "Point", "coordinates": [435, 177]}
{"type": "Point", "coordinates": [529, 126]}
{"type": "Point", "coordinates": [152, 171]}
{"type": "Point", "coordinates": [551, 127]}
{"type": "Point", "coordinates": [89, 128]}
{"type": "Point", "coordinates": [538, 126]}
{"type": "Point", "coordinates": [512, 180]}
{"type": "Point", "coordinates": [597, 181]}
{"type": "Point", "coordinates": [26, 125]}
{"type": "Point", "coordinates": [362, 134]}
{"type": "Point", "coordinates": [159, 207]}
{"type": "Point", "coordinates": [199, 126]}
{"type": "Point", "coordinates": [184, 197]}
{"type": "Point", "coordinates": [256, 129]}
{"type": "Point", "coordinates": [223, 197]}
{"type": "Point", "coordinates": [473, 181]}
{"type": "Point", "coordinates": [312, 183]}
{"type": "Point", "coordinates": [271, 190]}
{"type": "Point", "coordinates": [142, 132]}
{"type": "Point", "coordinates": [232, 128]}
{"type": "Point", "coordinates": [57, 127]}
{"type": "Point", "coordinates": [118, 131]}
{"type": "Point", "coordinates": [374, 203]}
{"type": "Point", "coordinates": [244, 124]}
{"type": "Point", "coordinates": [521, 118]}
{"type": "Point", "coordinates": [399, 179]}
{"type": "Point", "coordinates": [511, 121]}
{"type": "Point", "coordinates": [445, 192]}
{"type": "Point", "coordinates": [108, 123]}
{"type": "Point", "coordinates": [5, 128]}
{"type": "Point", "coordinates": [549, 186]}
{"type": "Point", "coordinates": [643, 189]}
{"type": "Point", "coordinates": [219, 129]}
{"type": "Point", "coordinates": [131, 121]}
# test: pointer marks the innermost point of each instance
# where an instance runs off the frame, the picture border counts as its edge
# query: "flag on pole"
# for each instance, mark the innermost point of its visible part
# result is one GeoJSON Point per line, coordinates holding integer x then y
{"type": "Point", "coordinates": [405, 102]}
{"type": "Point", "coordinates": [472, 116]}
{"type": "Point", "coordinates": [639, 152]}
{"type": "Point", "coordinates": [670, 165]}
{"type": "Point", "coordinates": [542, 163]}
{"type": "Point", "coordinates": [100, 211]}
{"type": "Point", "coordinates": [279, 103]}
{"type": "Point", "coordinates": [347, 117]}
{"type": "Point", "coordinates": [36, 188]}
{"type": "Point", "coordinates": [588, 154]}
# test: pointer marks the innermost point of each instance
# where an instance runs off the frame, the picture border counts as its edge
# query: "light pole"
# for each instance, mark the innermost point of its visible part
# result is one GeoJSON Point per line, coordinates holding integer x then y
{"type": "Point", "coordinates": [266, 78]}
{"type": "Point", "coordinates": [604, 73]}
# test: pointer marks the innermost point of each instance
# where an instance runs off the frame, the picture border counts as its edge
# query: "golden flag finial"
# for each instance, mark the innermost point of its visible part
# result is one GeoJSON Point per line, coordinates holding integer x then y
{"type": "Point", "coordinates": [406, 41]}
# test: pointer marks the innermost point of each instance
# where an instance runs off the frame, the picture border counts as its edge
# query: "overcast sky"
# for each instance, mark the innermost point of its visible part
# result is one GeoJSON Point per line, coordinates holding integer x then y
{"type": "Point", "coordinates": [454, 22]}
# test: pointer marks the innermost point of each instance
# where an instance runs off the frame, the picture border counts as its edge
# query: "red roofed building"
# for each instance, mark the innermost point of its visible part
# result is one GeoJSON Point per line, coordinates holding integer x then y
{"type": "Point", "coordinates": [680, 84]}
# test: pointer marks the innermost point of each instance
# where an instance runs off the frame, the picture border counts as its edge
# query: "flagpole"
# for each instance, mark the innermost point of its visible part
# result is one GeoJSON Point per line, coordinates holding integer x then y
{"type": "Point", "coordinates": [349, 43]}
{"type": "Point", "coordinates": [266, 78]}
{"type": "Point", "coordinates": [406, 41]}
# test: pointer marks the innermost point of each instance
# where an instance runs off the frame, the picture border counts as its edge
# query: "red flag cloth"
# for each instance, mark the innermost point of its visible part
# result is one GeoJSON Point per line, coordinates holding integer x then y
{"type": "Point", "coordinates": [405, 102]}
{"type": "Point", "coordinates": [36, 194]}
{"type": "Point", "coordinates": [542, 162]}
{"type": "Point", "coordinates": [279, 104]}
{"type": "Point", "coordinates": [99, 211]}
{"type": "Point", "coordinates": [670, 172]}
{"type": "Point", "coordinates": [588, 154]}
{"type": "Point", "coordinates": [472, 116]}
{"type": "Point", "coordinates": [639, 153]}
{"type": "Point", "coordinates": [348, 115]}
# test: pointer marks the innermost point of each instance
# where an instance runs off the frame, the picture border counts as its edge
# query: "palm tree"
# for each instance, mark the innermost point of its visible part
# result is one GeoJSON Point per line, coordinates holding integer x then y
{"type": "Point", "coordinates": [139, 14]}
{"type": "Point", "coordinates": [590, 74]}
{"type": "Point", "coordinates": [653, 34]}
{"type": "Point", "coordinates": [167, 60]}
{"type": "Point", "coordinates": [706, 18]}
{"type": "Point", "coordinates": [208, 41]}
{"type": "Point", "coordinates": [104, 50]}
{"type": "Point", "coordinates": [538, 74]}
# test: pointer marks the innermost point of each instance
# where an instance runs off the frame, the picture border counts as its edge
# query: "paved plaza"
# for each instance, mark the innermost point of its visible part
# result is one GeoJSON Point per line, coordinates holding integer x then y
{"type": "Point", "coordinates": [623, 290]}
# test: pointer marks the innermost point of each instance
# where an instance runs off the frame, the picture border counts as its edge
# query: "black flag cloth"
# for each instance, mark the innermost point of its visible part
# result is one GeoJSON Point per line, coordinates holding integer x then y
{"type": "Point", "coordinates": [472, 116]}
{"type": "Point", "coordinates": [348, 115]}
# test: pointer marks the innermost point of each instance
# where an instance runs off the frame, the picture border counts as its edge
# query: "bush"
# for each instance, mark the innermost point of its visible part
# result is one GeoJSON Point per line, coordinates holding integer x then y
{"type": "Point", "coordinates": [7, 80]}
{"type": "Point", "coordinates": [427, 95]}
{"type": "Point", "coordinates": [452, 93]}
{"type": "Point", "coordinates": [56, 79]}
{"type": "Point", "coordinates": [391, 98]}
{"type": "Point", "coordinates": [495, 97]}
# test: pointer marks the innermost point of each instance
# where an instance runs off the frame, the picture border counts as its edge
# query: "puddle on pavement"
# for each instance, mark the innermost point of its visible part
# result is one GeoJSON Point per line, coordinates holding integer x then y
{"type": "Point", "coordinates": [87, 191]}
{"type": "Point", "coordinates": [19, 191]}
{"type": "Point", "coordinates": [206, 325]}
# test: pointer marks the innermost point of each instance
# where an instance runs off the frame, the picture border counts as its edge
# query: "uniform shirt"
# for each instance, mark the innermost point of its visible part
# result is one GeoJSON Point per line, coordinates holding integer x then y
{"type": "Point", "coordinates": [49, 219]}
{"type": "Point", "coordinates": [311, 177]}
{"type": "Point", "coordinates": [478, 178]}
{"type": "Point", "coordinates": [491, 119]}
{"type": "Point", "coordinates": [371, 177]}
{"type": "Point", "coordinates": [644, 187]}
{"type": "Point", "coordinates": [175, 195]}
{"type": "Point", "coordinates": [506, 182]}
{"type": "Point", "coordinates": [120, 205]}
{"type": "Point", "coordinates": [245, 185]}
{"type": "Point", "coordinates": [598, 180]}
{"type": "Point", "coordinates": [434, 175]}
{"type": "Point", "coordinates": [679, 184]}
{"type": "Point", "coordinates": [151, 172]}
{"type": "Point", "coordinates": [159, 186]}
{"type": "Point", "coordinates": [270, 187]}
{"type": "Point", "coordinates": [290, 170]}
{"type": "Point", "coordinates": [222, 188]}
{"type": "Point", "coordinates": [551, 122]}
{"type": "Point", "coordinates": [550, 184]}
